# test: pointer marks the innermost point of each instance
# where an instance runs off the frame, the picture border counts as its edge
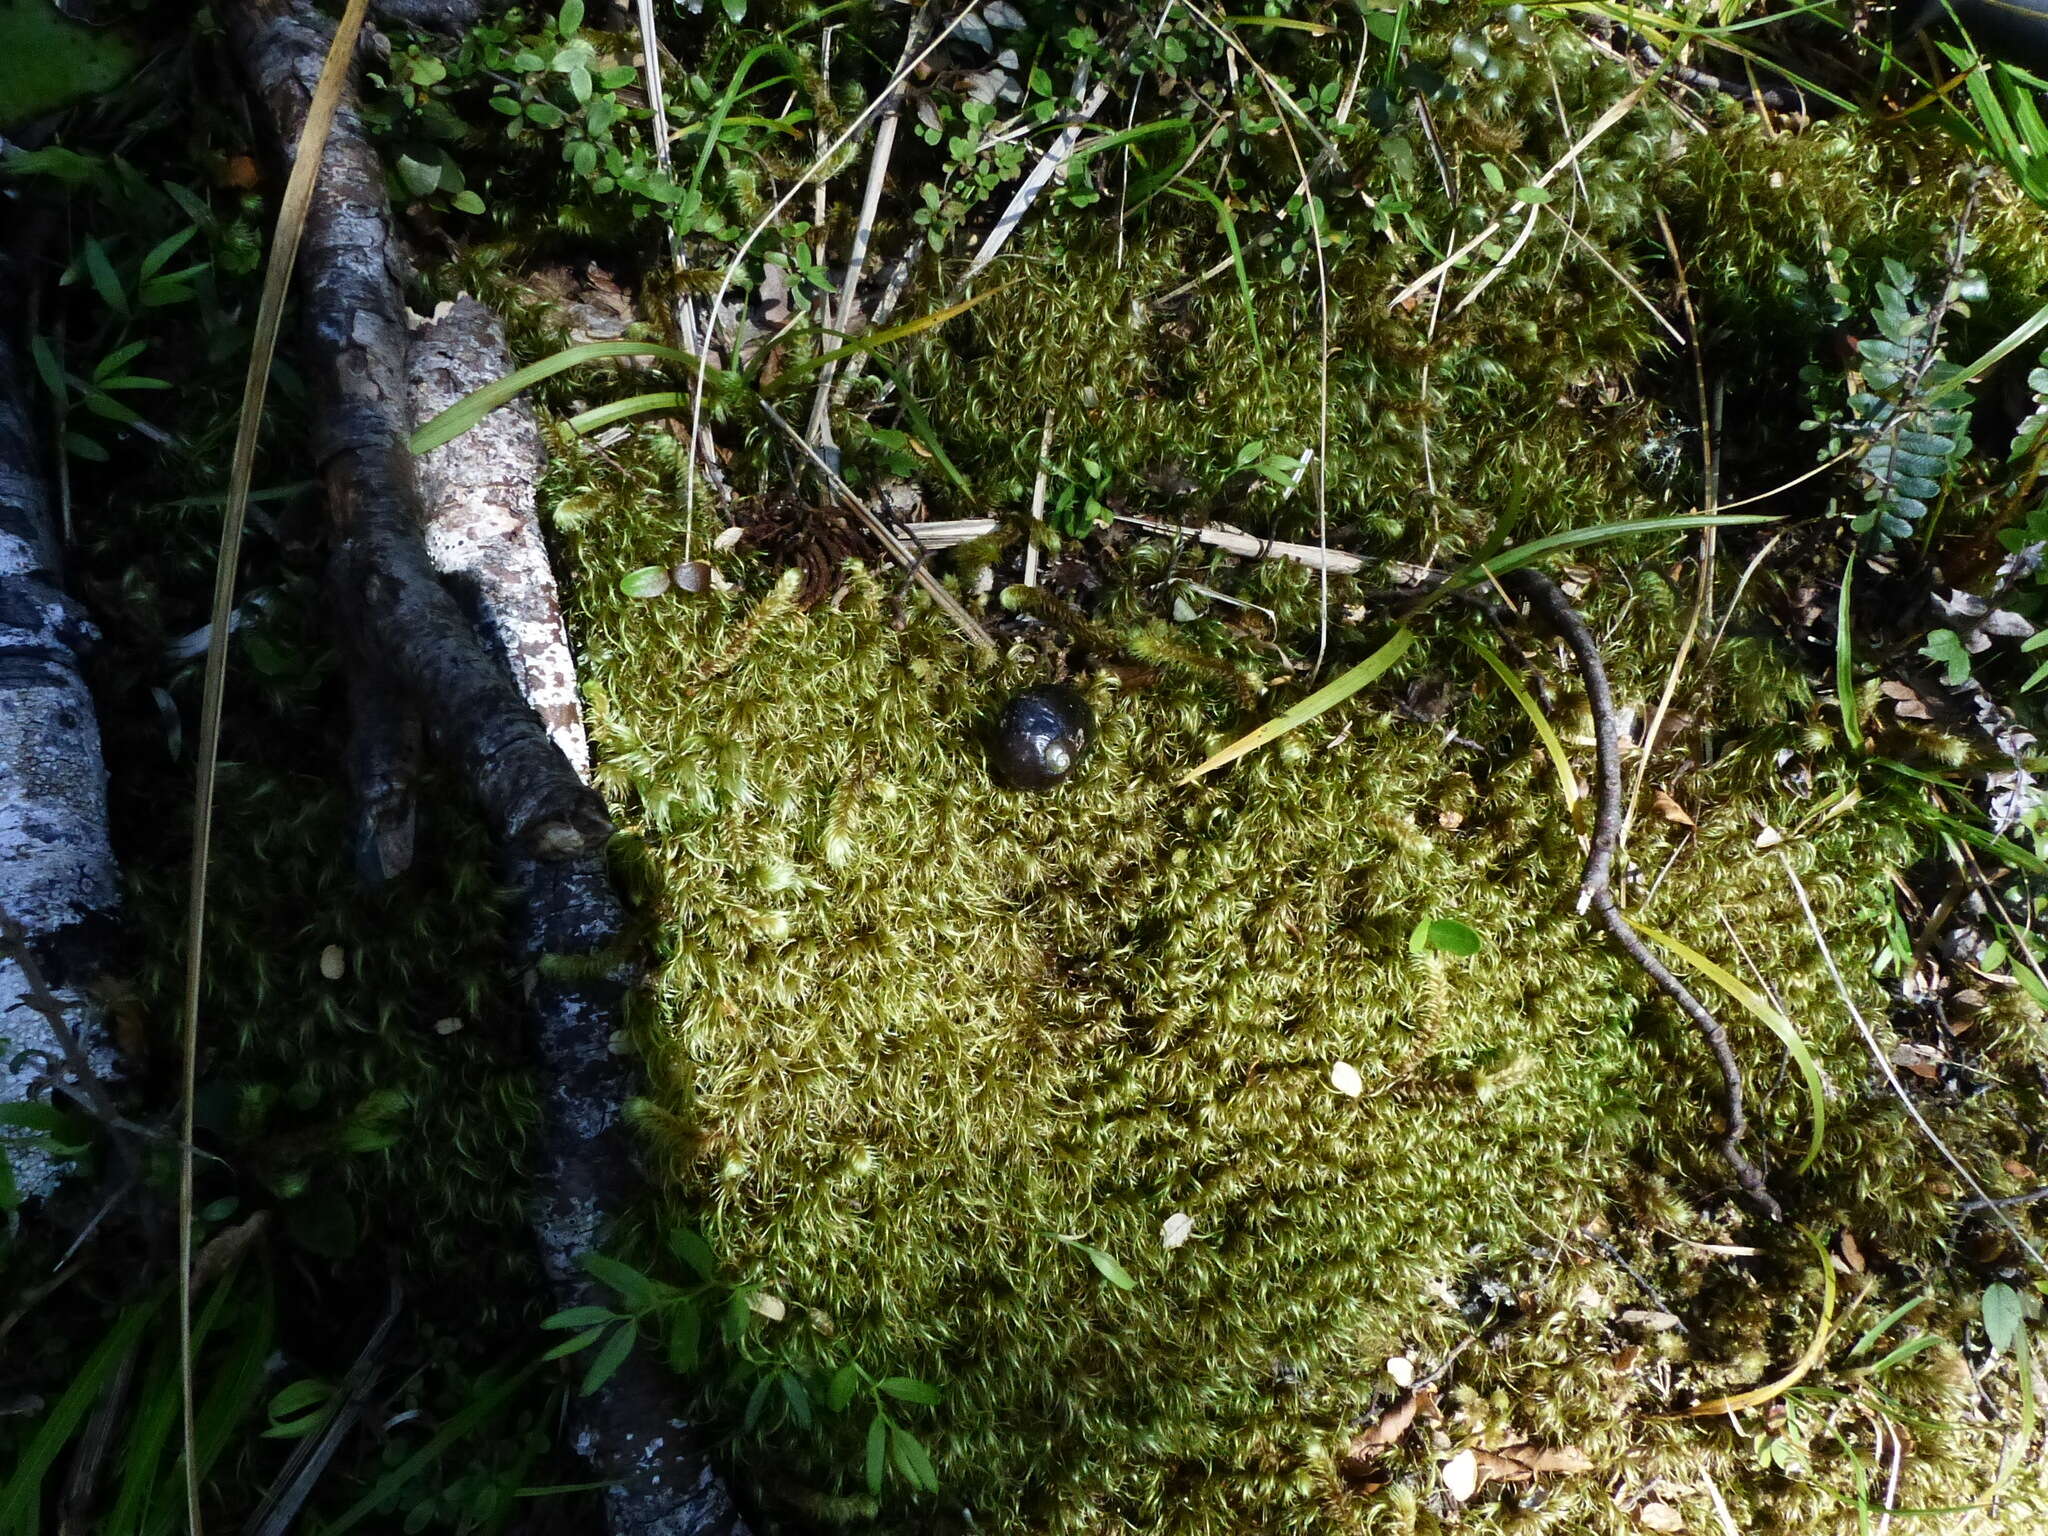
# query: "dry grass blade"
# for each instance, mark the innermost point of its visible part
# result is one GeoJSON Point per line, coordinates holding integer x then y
{"type": "Point", "coordinates": [1584, 142]}
{"type": "Point", "coordinates": [1757, 1396]}
{"type": "Point", "coordinates": [775, 211]}
{"type": "Point", "coordinates": [910, 559]}
{"type": "Point", "coordinates": [1883, 1059]}
{"type": "Point", "coordinates": [1326, 697]}
{"type": "Point", "coordinates": [284, 250]}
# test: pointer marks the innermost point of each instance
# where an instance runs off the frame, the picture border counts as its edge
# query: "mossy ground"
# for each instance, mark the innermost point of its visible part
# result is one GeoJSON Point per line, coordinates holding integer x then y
{"type": "Point", "coordinates": [907, 1031]}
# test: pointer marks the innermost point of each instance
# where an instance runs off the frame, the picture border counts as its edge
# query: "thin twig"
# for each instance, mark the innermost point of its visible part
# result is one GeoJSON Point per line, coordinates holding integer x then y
{"type": "Point", "coordinates": [761, 227]}
{"type": "Point", "coordinates": [1038, 489]}
{"type": "Point", "coordinates": [897, 549]}
{"type": "Point", "coordinates": [1306, 191]}
{"type": "Point", "coordinates": [2007, 1202]}
{"type": "Point", "coordinates": [1544, 597]}
{"type": "Point", "coordinates": [1049, 165]}
{"type": "Point", "coordinates": [863, 231]}
{"type": "Point", "coordinates": [1584, 142]}
{"type": "Point", "coordinates": [1884, 1065]}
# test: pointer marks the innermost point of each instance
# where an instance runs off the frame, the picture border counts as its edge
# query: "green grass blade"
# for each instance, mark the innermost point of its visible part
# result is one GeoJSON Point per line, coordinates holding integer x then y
{"type": "Point", "coordinates": [1845, 658]}
{"type": "Point", "coordinates": [473, 408]}
{"type": "Point", "coordinates": [236, 1386]}
{"type": "Point", "coordinates": [1195, 192]}
{"type": "Point", "coordinates": [893, 333]}
{"type": "Point", "coordinates": [921, 426]}
{"type": "Point", "coordinates": [1759, 1008]}
{"type": "Point", "coordinates": [1327, 697]}
{"type": "Point", "coordinates": [2016, 338]}
{"type": "Point", "coordinates": [459, 1425]}
{"type": "Point", "coordinates": [25, 1484]}
{"type": "Point", "coordinates": [633, 405]}
{"type": "Point", "coordinates": [1568, 781]}
{"type": "Point", "coordinates": [1528, 554]}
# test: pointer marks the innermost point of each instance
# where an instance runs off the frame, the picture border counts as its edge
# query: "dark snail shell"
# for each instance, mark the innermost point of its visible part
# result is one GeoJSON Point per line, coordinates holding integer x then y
{"type": "Point", "coordinates": [1041, 737]}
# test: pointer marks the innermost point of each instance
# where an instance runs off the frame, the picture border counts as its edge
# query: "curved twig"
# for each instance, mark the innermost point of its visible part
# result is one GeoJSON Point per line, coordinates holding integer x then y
{"type": "Point", "coordinates": [1544, 598]}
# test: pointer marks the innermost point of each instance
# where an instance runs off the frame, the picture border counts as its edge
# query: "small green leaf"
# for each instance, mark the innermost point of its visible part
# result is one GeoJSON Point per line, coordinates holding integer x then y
{"type": "Point", "coordinates": [635, 1288]}
{"type": "Point", "coordinates": [878, 1445]}
{"type": "Point", "coordinates": [692, 1250]}
{"type": "Point", "coordinates": [100, 268]}
{"type": "Point", "coordinates": [1106, 1266]}
{"type": "Point", "coordinates": [910, 1390]}
{"type": "Point", "coordinates": [845, 1382]}
{"type": "Point", "coordinates": [569, 21]}
{"type": "Point", "coordinates": [798, 1396]}
{"type": "Point", "coordinates": [569, 1346]}
{"type": "Point", "coordinates": [1946, 647]}
{"type": "Point", "coordinates": [1446, 934]}
{"type": "Point", "coordinates": [298, 1397]}
{"type": "Point", "coordinates": [1534, 195]}
{"type": "Point", "coordinates": [419, 177]}
{"type": "Point", "coordinates": [609, 1359]}
{"type": "Point", "coordinates": [2004, 1315]}
{"type": "Point", "coordinates": [466, 202]}
{"type": "Point", "coordinates": [684, 1327]}
{"type": "Point", "coordinates": [647, 581]}
{"type": "Point", "coordinates": [912, 1460]}
{"type": "Point", "coordinates": [581, 1317]}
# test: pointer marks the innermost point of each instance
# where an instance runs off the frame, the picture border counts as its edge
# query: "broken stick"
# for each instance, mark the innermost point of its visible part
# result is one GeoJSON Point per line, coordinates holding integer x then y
{"type": "Point", "coordinates": [1545, 599]}
{"type": "Point", "coordinates": [389, 600]}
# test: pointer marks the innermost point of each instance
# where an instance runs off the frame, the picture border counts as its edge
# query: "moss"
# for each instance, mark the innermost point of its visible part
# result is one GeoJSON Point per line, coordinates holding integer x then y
{"type": "Point", "coordinates": [908, 1031]}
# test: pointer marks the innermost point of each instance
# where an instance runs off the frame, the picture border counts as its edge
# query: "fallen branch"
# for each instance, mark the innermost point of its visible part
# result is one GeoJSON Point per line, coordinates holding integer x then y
{"type": "Point", "coordinates": [1254, 548]}
{"type": "Point", "coordinates": [478, 495]}
{"type": "Point", "coordinates": [1545, 599]}
{"type": "Point", "coordinates": [388, 597]}
{"type": "Point", "coordinates": [484, 535]}
{"type": "Point", "coordinates": [59, 887]}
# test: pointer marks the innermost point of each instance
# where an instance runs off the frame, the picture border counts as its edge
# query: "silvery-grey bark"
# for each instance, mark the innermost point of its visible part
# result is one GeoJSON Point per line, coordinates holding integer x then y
{"type": "Point", "coordinates": [388, 597]}
{"type": "Point", "coordinates": [58, 884]}
{"type": "Point", "coordinates": [478, 495]}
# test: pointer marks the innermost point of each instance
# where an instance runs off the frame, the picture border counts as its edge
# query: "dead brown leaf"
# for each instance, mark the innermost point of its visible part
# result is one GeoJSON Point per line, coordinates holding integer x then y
{"type": "Point", "coordinates": [1852, 1253]}
{"type": "Point", "coordinates": [1671, 810]}
{"type": "Point", "coordinates": [1660, 1517]}
{"type": "Point", "coordinates": [1520, 1463]}
{"type": "Point", "coordinates": [1392, 1425]}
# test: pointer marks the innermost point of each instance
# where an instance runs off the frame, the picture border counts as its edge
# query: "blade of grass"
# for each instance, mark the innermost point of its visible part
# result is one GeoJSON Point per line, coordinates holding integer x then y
{"type": "Point", "coordinates": [619, 410]}
{"type": "Point", "coordinates": [458, 1426]}
{"type": "Point", "coordinates": [2014, 339]}
{"type": "Point", "coordinates": [236, 1384]}
{"type": "Point", "coordinates": [1568, 781]}
{"type": "Point", "coordinates": [277, 276]}
{"type": "Point", "coordinates": [1845, 658]}
{"type": "Point", "coordinates": [25, 1484]}
{"type": "Point", "coordinates": [1326, 697]}
{"type": "Point", "coordinates": [1536, 549]}
{"type": "Point", "coordinates": [1756, 1396]}
{"type": "Point", "coordinates": [921, 426]}
{"type": "Point", "coordinates": [1760, 1009]}
{"type": "Point", "coordinates": [882, 338]}
{"type": "Point", "coordinates": [1227, 226]}
{"type": "Point", "coordinates": [473, 408]}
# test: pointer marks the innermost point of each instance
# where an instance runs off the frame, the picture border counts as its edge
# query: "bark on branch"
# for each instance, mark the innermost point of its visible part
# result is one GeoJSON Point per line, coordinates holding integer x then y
{"type": "Point", "coordinates": [58, 884]}
{"type": "Point", "coordinates": [483, 535]}
{"type": "Point", "coordinates": [387, 596]}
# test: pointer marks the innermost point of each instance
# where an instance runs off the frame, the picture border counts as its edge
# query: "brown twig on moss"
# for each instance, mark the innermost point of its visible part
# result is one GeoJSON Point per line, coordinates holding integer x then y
{"type": "Point", "coordinates": [1543, 597]}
